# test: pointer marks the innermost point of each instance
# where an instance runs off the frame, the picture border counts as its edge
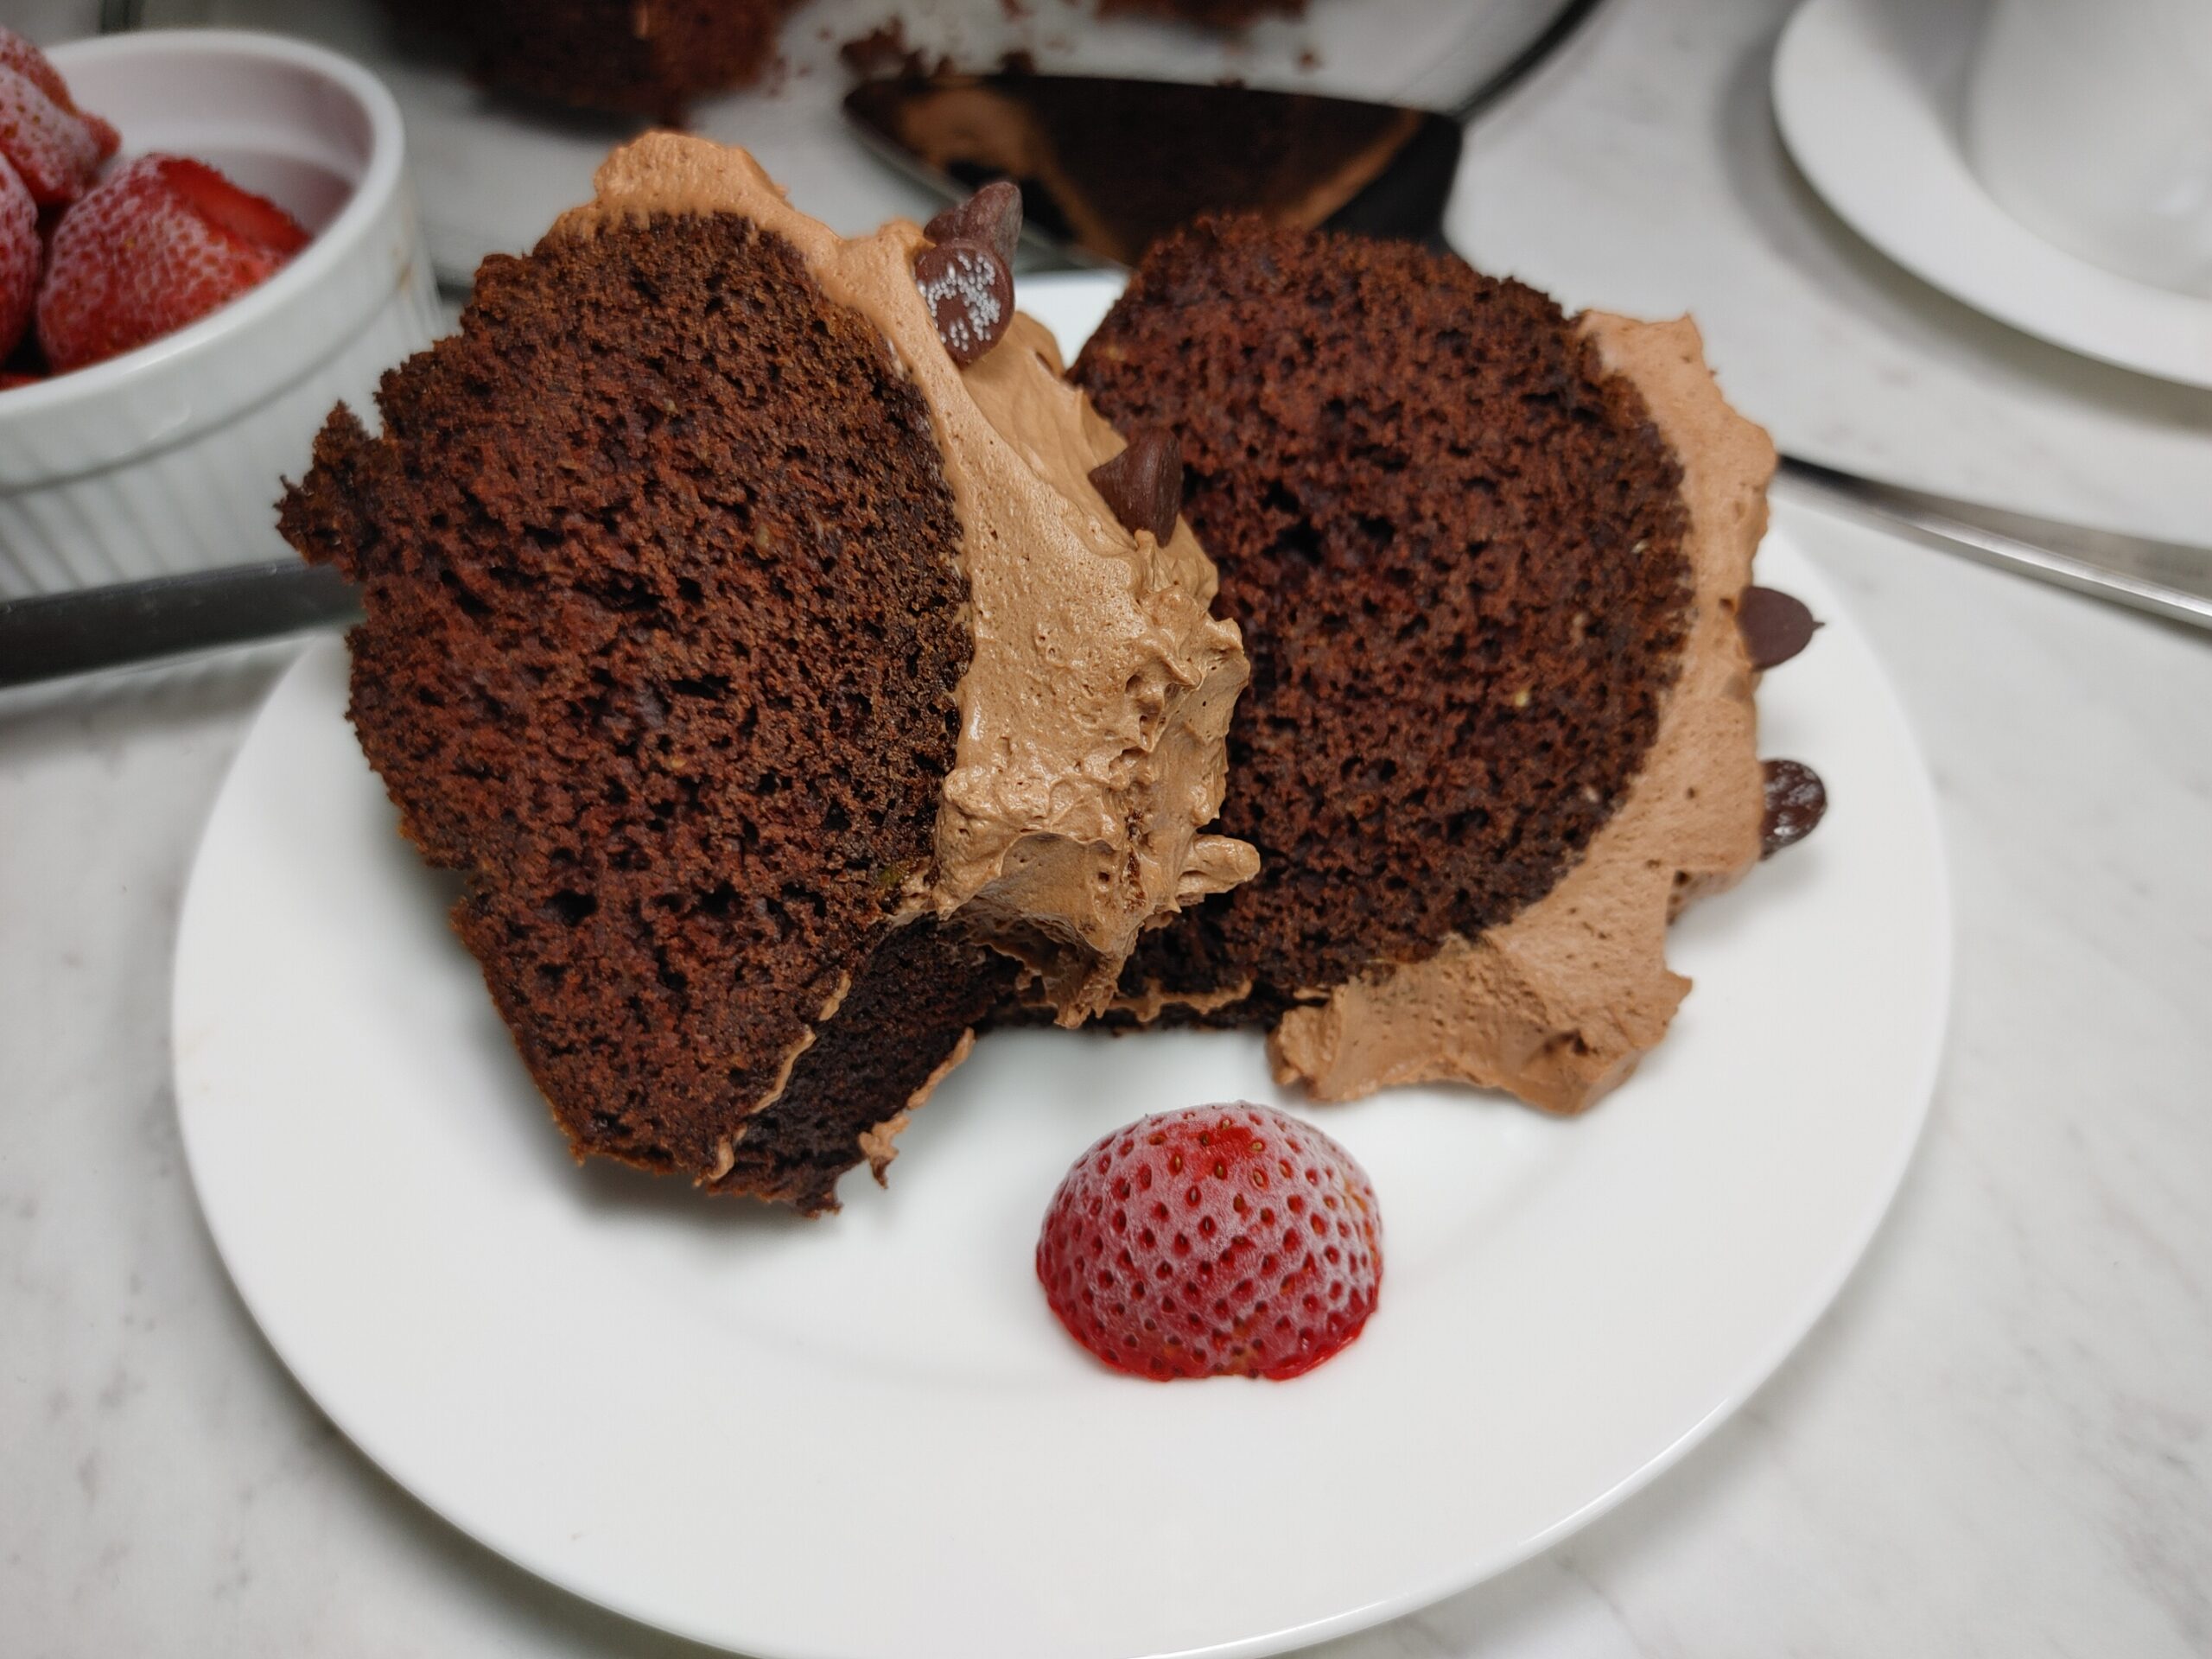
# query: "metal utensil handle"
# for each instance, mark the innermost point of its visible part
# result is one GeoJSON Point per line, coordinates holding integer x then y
{"type": "Point", "coordinates": [51, 636]}
{"type": "Point", "coordinates": [2169, 579]}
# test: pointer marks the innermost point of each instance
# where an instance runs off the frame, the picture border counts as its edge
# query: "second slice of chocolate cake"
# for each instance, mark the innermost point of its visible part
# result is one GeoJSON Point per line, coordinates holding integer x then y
{"type": "Point", "coordinates": [1487, 558]}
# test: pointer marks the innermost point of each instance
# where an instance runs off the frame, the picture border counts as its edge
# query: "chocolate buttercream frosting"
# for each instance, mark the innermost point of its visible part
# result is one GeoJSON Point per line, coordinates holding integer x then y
{"type": "Point", "coordinates": [1558, 1003]}
{"type": "Point", "coordinates": [1094, 707]}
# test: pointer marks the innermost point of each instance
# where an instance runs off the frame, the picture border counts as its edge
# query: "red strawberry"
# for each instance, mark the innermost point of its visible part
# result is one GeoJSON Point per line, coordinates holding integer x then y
{"type": "Point", "coordinates": [162, 242]}
{"type": "Point", "coordinates": [19, 258]}
{"type": "Point", "coordinates": [244, 215]}
{"type": "Point", "coordinates": [27, 61]}
{"type": "Point", "coordinates": [56, 147]}
{"type": "Point", "coordinates": [10, 379]}
{"type": "Point", "coordinates": [1217, 1241]}
{"type": "Point", "coordinates": [34, 65]}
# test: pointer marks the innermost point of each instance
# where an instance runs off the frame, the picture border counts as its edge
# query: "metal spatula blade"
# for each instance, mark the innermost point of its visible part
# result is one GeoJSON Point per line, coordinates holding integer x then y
{"type": "Point", "coordinates": [1107, 165]}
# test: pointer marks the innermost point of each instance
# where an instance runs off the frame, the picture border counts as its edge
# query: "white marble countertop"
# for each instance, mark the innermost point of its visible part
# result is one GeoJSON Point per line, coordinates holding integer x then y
{"type": "Point", "coordinates": [1998, 1441]}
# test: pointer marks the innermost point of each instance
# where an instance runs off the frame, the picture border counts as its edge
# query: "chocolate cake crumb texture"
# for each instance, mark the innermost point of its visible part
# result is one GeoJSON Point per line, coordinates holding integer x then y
{"type": "Point", "coordinates": [617, 55]}
{"type": "Point", "coordinates": [664, 622]}
{"type": "Point", "coordinates": [1454, 544]}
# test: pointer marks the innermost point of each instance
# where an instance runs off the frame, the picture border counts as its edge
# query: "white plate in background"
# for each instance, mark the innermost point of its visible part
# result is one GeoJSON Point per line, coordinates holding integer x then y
{"type": "Point", "coordinates": [1868, 95]}
{"type": "Point", "coordinates": [866, 1437]}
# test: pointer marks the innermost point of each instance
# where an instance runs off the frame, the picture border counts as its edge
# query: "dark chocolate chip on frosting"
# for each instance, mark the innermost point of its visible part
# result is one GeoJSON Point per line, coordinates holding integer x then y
{"type": "Point", "coordinates": [1776, 626]}
{"type": "Point", "coordinates": [992, 217]}
{"type": "Point", "coordinates": [969, 292]}
{"type": "Point", "coordinates": [1795, 801]}
{"type": "Point", "coordinates": [1144, 484]}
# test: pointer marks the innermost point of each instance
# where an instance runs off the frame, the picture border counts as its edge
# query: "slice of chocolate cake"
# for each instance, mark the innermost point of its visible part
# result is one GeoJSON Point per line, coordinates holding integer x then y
{"type": "Point", "coordinates": [654, 57]}
{"type": "Point", "coordinates": [634, 57]}
{"type": "Point", "coordinates": [1488, 559]}
{"type": "Point", "coordinates": [774, 680]}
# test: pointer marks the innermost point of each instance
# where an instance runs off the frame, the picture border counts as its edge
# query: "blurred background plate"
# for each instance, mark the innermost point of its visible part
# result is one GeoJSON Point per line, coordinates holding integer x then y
{"type": "Point", "coordinates": [494, 171]}
{"type": "Point", "coordinates": [1867, 94]}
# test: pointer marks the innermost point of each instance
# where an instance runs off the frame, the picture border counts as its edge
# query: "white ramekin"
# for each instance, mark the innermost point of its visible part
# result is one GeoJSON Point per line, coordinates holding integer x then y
{"type": "Point", "coordinates": [168, 458]}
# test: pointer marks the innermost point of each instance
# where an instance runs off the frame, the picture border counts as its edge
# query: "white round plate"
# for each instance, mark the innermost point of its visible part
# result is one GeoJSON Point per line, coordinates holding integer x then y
{"type": "Point", "coordinates": [865, 1437]}
{"type": "Point", "coordinates": [493, 173]}
{"type": "Point", "coordinates": [1867, 95]}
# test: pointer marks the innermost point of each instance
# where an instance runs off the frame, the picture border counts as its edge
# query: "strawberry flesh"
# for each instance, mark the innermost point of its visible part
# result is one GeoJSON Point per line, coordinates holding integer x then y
{"type": "Point", "coordinates": [161, 242]}
{"type": "Point", "coordinates": [1217, 1241]}
{"type": "Point", "coordinates": [251, 219]}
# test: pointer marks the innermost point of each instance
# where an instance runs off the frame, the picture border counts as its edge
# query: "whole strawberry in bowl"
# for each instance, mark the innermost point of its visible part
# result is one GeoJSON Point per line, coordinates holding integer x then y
{"type": "Point", "coordinates": [159, 244]}
{"type": "Point", "coordinates": [209, 240]}
{"type": "Point", "coordinates": [52, 148]}
{"type": "Point", "coordinates": [1217, 1241]}
{"type": "Point", "coordinates": [50, 155]}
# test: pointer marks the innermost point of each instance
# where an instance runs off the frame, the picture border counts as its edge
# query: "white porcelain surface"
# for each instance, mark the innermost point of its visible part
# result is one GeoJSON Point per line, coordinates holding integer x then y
{"type": "Point", "coordinates": [1992, 1444]}
{"type": "Point", "coordinates": [167, 457]}
{"type": "Point", "coordinates": [1567, 1305]}
{"type": "Point", "coordinates": [1868, 93]}
{"type": "Point", "coordinates": [2091, 121]}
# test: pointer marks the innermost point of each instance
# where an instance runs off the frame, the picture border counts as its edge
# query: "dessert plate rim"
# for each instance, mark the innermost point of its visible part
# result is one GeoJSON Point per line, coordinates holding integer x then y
{"type": "Point", "coordinates": [570, 1364]}
{"type": "Point", "coordinates": [1869, 129]}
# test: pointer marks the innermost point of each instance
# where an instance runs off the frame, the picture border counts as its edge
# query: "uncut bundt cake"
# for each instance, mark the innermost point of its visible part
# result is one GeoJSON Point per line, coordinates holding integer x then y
{"type": "Point", "coordinates": [742, 624]}
{"type": "Point", "coordinates": [1488, 560]}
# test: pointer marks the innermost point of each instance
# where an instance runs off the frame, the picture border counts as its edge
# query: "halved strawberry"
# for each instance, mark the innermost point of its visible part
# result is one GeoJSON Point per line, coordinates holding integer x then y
{"type": "Point", "coordinates": [56, 148]}
{"type": "Point", "coordinates": [1217, 1241]}
{"type": "Point", "coordinates": [19, 258]}
{"type": "Point", "coordinates": [251, 219]}
{"type": "Point", "coordinates": [162, 242]}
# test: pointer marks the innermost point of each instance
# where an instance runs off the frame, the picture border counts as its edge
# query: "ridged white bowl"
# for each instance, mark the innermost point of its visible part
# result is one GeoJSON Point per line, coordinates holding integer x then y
{"type": "Point", "coordinates": [170, 457]}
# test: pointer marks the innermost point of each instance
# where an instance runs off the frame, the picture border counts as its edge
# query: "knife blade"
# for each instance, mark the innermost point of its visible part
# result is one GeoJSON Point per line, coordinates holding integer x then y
{"type": "Point", "coordinates": [52, 636]}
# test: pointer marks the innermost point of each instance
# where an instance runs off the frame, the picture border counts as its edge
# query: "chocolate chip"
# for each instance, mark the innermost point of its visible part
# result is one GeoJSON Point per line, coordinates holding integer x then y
{"type": "Point", "coordinates": [1144, 484]}
{"type": "Point", "coordinates": [970, 293]}
{"type": "Point", "coordinates": [1795, 800]}
{"type": "Point", "coordinates": [992, 216]}
{"type": "Point", "coordinates": [1776, 626]}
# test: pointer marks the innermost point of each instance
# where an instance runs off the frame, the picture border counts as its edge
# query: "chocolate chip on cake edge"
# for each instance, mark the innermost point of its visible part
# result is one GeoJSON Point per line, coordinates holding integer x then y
{"type": "Point", "coordinates": [1143, 485]}
{"type": "Point", "coordinates": [991, 217]}
{"type": "Point", "coordinates": [1776, 626]}
{"type": "Point", "coordinates": [970, 293]}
